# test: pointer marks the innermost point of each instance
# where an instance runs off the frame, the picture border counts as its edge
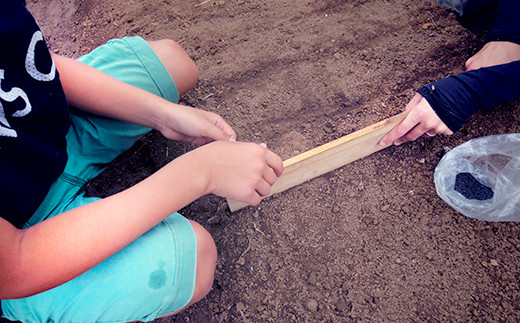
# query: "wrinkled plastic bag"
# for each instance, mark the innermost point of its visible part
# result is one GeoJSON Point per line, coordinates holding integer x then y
{"type": "Point", "coordinates": [481, 178]}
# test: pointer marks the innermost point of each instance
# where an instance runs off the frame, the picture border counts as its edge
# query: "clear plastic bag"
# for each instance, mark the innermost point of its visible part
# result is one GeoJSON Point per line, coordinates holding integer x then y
{"type": "Point", "coordinates": [481, 178]}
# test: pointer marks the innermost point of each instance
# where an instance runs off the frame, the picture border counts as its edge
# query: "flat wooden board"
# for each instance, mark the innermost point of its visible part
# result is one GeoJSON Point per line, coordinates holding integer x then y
{"type": "Point", "coordinates": [330, 156]}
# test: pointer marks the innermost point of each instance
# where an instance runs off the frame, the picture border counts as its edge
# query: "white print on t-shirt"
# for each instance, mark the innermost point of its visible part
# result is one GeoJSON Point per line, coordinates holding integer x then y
{"type": "Point", "coordinates": [30, 66]}
{"type": "Point", "coordinates": [5, 128]}
{"type": "Point", "coordinates": [13, 94]}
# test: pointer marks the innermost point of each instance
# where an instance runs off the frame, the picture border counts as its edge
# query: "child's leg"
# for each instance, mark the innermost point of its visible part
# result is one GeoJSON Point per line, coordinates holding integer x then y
{"type": "Point", "coordinates": [166, 269]}
{"type": "Point", "coordinates": [179, 65]}
{"type": "Point", "coordinates": [206, 262]}
{"type": "Point", "coordinates": [154, 276]}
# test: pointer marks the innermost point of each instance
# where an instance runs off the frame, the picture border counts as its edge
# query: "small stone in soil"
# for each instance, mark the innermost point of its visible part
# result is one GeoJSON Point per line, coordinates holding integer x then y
{"type": "Point", "coordinates": [312, 305]}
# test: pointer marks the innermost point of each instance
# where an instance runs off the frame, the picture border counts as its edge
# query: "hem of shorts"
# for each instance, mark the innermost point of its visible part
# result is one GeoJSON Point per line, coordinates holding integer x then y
{"type": "Point", "coordinates": [160, 77]}
{"type": "Point", "coordinates": [187, 257]}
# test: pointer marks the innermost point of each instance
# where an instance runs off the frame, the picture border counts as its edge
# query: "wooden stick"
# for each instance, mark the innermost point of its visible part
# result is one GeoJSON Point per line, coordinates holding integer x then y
{"type": "Point", "coordinates": [330, 156]}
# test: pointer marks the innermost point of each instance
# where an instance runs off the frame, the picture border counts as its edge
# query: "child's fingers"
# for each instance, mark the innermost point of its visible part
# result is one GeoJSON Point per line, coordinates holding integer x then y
{"type": "Point", "coordinates": [215, 133]}
{"type": "Point", "coordinates": [269, 176]}
{"type": "Point", "coordinates": [231, 134]}
{"type": "Point", "coordinates": [214, 128]}
{"type": "Point", "coordinates": [253, 199]}
{"type": "Point", "coordinates": [275, 162]}
{"type": "Point", "coordinates": [226, 128]}
{"type": "Point", "coordinates": [263, 188]}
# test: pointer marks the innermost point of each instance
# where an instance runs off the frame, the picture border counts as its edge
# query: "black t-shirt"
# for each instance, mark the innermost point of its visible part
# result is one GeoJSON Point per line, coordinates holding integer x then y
{"type": "Point", "coordinates": [34, 117]}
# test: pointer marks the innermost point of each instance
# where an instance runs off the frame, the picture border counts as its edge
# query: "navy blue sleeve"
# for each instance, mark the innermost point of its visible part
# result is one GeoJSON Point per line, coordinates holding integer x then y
{"type": "Point", "coordinates": [507, 22]}
{"type": "Point", "coordinates": [457, 97]}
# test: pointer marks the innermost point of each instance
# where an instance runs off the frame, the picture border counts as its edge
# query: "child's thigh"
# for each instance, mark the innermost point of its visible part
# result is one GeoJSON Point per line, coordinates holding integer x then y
{"type": "Point", "coordinates": [151, 277]}
{"type": "Point", "coordinates": [93, 141]}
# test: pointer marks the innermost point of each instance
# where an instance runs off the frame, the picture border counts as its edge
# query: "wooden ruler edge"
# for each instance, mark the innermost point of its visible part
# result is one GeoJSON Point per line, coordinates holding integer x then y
{"type": "Point", "coordinates": [293, 162]}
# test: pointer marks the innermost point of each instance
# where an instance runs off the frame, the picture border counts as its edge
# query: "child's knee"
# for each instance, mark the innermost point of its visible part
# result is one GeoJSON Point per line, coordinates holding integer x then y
{"type": "Point", "coordinates": [177, 62]}
{"type": "Point", "coordinates": [206, 261]}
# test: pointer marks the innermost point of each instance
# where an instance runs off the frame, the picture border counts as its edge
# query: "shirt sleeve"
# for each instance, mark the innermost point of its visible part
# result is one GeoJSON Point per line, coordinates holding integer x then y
{"type": "Point", "coordinates": [507, 22]}
{"type": "Point", "coordinates": [456, 98]}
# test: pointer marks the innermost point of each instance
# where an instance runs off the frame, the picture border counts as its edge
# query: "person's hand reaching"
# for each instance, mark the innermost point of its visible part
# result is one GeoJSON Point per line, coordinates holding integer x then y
{"type": "Point", "coordinates": [421, 120]}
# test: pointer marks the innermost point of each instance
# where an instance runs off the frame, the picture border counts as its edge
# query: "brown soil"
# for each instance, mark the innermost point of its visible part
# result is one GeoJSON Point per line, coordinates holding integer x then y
{"type": "Point", "coordinates": [371, 241]}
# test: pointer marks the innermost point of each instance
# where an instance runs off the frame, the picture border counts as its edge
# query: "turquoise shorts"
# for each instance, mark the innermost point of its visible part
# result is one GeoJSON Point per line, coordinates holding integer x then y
{"type": "Point", "coordinates": [155, 274]}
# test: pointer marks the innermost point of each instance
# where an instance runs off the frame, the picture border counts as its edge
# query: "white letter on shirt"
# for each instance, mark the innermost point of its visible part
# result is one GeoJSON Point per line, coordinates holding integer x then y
{"type": "Point", "coordinates": [5, 127]}
{"type": "Point", "coordinates": [14, 94]}
{"type": "Point", "coordinates": [30, 65]}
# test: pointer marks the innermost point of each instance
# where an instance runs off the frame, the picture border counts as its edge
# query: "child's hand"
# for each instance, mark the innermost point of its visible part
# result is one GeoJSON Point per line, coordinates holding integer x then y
{"type": "Point", "coordinates": [421, 120]}
{"type": "Point", "coordinates": [200, 127]}
{"type": "Point", "coordinates": [237, 170]}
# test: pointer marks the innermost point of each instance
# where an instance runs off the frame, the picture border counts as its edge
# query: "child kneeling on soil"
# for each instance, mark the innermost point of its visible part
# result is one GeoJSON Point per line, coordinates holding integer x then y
{"type": "Point", "coordinates": [67, 257]}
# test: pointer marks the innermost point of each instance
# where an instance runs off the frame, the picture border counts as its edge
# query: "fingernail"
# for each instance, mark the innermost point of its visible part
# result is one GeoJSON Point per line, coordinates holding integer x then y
{"type": "Point", "coordinates": [232, 139]}
{"type": "Point", "coordinates": [382, 143]}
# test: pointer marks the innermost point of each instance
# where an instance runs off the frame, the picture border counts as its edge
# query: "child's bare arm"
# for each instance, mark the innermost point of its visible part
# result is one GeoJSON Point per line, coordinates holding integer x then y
{"type": "Point", "coordinates": [89, 89]}
{"type": "Point", "coordinates": [61, 248]}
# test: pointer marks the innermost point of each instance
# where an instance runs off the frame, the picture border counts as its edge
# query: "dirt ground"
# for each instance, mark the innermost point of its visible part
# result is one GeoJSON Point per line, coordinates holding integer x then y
{"type": "Point", "coordinates": [370, 241]}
